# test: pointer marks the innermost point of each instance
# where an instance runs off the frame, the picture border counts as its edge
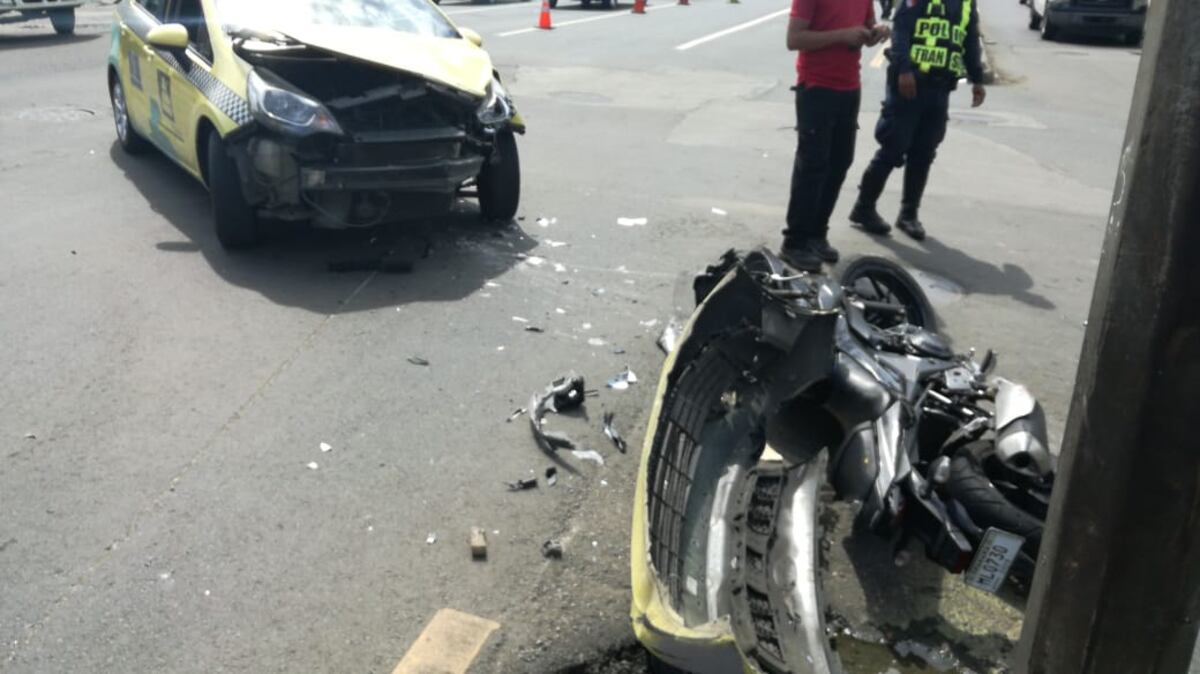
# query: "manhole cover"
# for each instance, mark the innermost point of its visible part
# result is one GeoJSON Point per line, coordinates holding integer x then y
{"type": "Point", "coordinates": [56, 114]}
{"type": "Point", "coordinates": [940, 290]}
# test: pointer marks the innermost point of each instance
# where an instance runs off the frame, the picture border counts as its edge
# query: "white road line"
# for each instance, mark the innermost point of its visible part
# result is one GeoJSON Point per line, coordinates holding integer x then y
{"type": "Point", "coordinates": [729, 31]}
{"type": "Point", "coordinates": [877, 62]}
{"type": "Point", "coordinates": [616, 15]}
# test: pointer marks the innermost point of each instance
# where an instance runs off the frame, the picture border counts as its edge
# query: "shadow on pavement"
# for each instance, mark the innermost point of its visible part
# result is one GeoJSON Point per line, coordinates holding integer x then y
{"type": "Point", "coordinates": [49, 38]}
{"type": "Point", "coordinates": [974, 275]}
{"type": "Point", "coordinates": [450, 257]}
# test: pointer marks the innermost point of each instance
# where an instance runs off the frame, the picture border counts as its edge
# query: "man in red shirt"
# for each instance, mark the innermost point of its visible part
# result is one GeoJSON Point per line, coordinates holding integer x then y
{"type": "Point", "coordinates": [829, 34]}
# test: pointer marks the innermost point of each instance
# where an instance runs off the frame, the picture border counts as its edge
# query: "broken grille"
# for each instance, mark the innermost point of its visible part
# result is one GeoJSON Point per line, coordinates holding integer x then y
{"type": "Point", "coordinates": [672, 462]}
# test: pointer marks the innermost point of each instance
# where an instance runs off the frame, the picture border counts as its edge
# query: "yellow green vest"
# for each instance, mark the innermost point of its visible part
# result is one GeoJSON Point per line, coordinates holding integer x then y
{"type": "Point", "coordinates": [938, 44]}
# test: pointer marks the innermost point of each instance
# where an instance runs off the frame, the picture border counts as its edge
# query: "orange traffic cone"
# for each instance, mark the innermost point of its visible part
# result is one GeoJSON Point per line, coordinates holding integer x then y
{"type": "Point", "coordinates": [639, 6]}
{"type": "Point", "coordinates": [544, 17]}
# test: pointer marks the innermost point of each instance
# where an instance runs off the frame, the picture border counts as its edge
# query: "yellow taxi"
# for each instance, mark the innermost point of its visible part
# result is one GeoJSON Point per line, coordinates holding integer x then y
{"type": "Point", "coordinates": [342, 113]}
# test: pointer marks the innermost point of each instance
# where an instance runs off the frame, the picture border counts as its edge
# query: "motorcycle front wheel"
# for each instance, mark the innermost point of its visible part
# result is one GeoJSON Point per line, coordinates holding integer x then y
{"type": "Point", "coordinates": [879, 281]}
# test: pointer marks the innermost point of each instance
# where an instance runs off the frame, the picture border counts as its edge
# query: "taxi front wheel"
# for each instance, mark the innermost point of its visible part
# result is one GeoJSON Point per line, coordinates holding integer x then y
{"type": "Point", "coordinates": [234, 218]}
{"type": "Point", "coordinates": [130, 140]}
{"type": "Point", "coordinates": [500, 180]}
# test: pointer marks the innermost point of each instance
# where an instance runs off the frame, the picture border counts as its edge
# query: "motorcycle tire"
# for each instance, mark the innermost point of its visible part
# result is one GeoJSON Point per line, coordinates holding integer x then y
{"type": "Point", "coordinates": [877, 279]}
{"type": "Point", "coordinates": [987, 506]}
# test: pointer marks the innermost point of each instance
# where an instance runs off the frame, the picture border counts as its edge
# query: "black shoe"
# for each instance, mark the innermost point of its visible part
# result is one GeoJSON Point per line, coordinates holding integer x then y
{"type": "Point", "coordinates": [824, 251]}
{"type": "Point", "coordinates": [910, 225]}
{"type": "Point", "coordinates": [803, 258]}
{"type": "Point", "coordinates": [869, 220]}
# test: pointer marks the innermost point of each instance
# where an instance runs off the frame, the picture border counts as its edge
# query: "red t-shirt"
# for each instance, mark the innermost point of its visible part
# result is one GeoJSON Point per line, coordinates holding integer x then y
{"type": "Point", "coordinates": [835, 67]}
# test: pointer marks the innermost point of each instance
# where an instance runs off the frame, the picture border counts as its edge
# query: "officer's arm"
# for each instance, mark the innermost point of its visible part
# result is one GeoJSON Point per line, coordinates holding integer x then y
{"type": "Point", "coordinates": [903, 23]}
{"type": "Point", "coordinates": [974, 49]}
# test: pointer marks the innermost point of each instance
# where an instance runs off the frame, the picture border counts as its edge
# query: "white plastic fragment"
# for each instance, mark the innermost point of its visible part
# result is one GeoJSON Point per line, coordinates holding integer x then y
{"type": "Point", "coordinates": [632, 222]}
{"type": "Point", "coordinates": [554, 244]}
{"type": "Point", "coordinates": [560, 268]}
{"type": "Point", "coordinates": [648, 324]}
{"type": "Point", "coordinates": [535, 261]}
{"type": "Point", "coordinates": [519, 319]}
{"type": "Point", "coordinates": [623, 380]}
{"type": "Point", "coordinates": [543, 222]}
{"type": "Point", "coordinates": [312, 465]}
{"type": "Point", "coordinates": [326, 447]}
{"type": "Point", "coordinates": [431, 538]}
{"type": "Point", "coordinates": [719, 211]}
{"type": "Point", "coordinates": [596, 341]}
{"type": "Point", "coordinates": [588, 455]}
{"type": "Point", "coordinates": [559, 310]}
{"type": "Point", "coordinates": [491, 284]}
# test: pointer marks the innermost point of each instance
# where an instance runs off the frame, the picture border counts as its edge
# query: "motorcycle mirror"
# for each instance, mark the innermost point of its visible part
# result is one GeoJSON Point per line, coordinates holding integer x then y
{"type": "Point", "coordinates": [989, 362]}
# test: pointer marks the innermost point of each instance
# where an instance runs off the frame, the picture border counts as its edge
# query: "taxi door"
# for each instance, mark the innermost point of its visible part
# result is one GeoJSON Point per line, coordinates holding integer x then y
{"type": "Point", "coordinates": [135, 19]}
{"type": "Point", "coordinates": [171, 95]}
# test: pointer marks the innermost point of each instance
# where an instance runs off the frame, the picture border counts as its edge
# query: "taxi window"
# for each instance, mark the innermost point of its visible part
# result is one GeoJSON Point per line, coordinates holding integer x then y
{"type": "Point", "coordinates": [190, 13]}
{"type": "Point", "coordinates": [156, 7]}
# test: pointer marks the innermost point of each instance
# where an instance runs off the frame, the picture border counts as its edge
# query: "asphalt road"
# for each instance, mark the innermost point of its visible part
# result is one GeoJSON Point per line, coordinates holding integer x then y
{"type": "Point", "coordinates": [160, 399]}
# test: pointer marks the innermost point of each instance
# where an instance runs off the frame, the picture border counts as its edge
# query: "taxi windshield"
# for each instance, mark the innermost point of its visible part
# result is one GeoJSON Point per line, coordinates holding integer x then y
{"type": "Point", "coordinates": [406, 16]}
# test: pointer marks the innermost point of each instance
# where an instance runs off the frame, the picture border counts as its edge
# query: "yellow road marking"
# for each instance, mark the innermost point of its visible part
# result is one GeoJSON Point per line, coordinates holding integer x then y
{"type": "Point", "coordinates": [448, 644]}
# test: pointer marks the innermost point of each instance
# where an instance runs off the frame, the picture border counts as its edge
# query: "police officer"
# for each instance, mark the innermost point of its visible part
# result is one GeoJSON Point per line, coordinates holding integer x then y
{"type": "Point", "coordinates": [934, 44]}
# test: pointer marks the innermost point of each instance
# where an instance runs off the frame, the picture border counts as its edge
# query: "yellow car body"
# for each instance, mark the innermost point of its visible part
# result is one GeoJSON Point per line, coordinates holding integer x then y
{"type": "Point", "coordinates": [186, 74]}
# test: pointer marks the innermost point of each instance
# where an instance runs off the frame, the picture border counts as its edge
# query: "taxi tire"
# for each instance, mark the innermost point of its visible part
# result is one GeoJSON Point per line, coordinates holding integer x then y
{"type": "Point", "coordinates": [63, 20]}
{"type": "Point", "coordinates": [500, 181]}
{"type": "Point", "coordinates": [233, 217]}
{"type": "Point", "coordinates": [133, 142]}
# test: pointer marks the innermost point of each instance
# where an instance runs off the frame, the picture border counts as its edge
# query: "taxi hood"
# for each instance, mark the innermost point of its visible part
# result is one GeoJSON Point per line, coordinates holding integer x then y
{"type": "Point", "coordinates": [455, 62]}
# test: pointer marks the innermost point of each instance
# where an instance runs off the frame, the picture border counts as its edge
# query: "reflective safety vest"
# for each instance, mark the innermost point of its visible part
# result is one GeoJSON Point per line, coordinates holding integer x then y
{"type": "Point", "coordinates": [938, 44]}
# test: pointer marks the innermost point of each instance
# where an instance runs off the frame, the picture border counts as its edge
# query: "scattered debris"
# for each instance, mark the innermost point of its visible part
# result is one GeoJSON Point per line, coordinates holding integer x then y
{"type": "Point", "coordinates": [312, 465]}
{"type": "Point", "coordinates": [533, 328]}
{"type": "Point", "coordinates": [532, 260]}
{"type": "Point", "coordinates": [478, 544]}
{"type": "Point", "coordinates": [559, 310]}
{"type": "Point", "coordinates": [551, 476]}
{"type": "Point", "coordinates": [596, 341]}
{"type": "Point", "coordinates": [719, 211]}
{"type": "Point", "coordinates": [431, 538]}
{"type": "Point", "coordinates": [588, 455]}
{"type": "Point", "coordinates": [586, 326]}
{"type": "Point", "coordinates": [554, 244]}
{"type": "Point", "coordinates": [603, 483]}
{"type": "Point", "coordinates": [326, 447]}
{"type": "Point", "coordinates": [670, 336]}
{"type": "Point", "coordinates": [499, 348]}
{"type": "Point", "coordinates": [519, 319]}
{"type": "Point", "coordinates": [552, 549]}
{"type": "Point", "coordinates": [648, 324]}
{"type": "Point", "coordinates": [618, 351]}
{"type": "Point", "coordinates": [522, 484]}
{"type": "Point", "coordinates": [417, 360]}
{"type": "Point", "coordinates": [516, 413]}
{"type": "Point", "coordinates": [491, 284]}
{"type": "Point", "coordinates": [623, 380]}
{"type": "Point", "coordinates": [632, 222]}
{"type": "Point", "coordinates": [31, 436]}
{"type": "Point", "coordinates": [543, 222]}
{"type": "Point", "coordinates": [940, 658]}
{"type": "Point", "coordinates": [612, 433]}
{"type": "Point", "coordinates": [562, 394]}
{"type": "Point", "coordinates": [560, 268]}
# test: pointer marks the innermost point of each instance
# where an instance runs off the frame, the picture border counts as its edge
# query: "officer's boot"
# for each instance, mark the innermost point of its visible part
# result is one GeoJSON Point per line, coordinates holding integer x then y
{"type": "Point", "coordinates": [915, 177]}
{"type": "Point", "coordinates": [864, 214]}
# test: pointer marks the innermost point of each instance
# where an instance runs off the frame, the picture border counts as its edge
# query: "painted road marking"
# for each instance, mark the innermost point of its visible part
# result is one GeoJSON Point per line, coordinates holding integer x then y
{"type": "Point", "coordinates": [729, 31]}
{"type": "Point", "coordinates": [448, 644]}
{"type": "Point", "coordinates": [616, 15]}
{"type": "Point", "coordinates": [880, 55]}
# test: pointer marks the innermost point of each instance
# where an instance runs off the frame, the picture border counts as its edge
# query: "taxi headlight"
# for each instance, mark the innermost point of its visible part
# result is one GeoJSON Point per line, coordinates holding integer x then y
{"type": "Point", "coordinates": [276, 106]}
{"type": "Point", "coordinates": [497, 107]}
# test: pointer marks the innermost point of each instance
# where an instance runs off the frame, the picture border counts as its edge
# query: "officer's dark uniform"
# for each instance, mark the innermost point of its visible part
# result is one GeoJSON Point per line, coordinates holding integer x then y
{"type": "Point", "coordinates": [937, 41]}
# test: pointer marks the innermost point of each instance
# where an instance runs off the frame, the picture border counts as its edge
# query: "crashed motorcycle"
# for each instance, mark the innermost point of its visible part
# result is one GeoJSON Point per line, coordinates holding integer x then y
{"type": "Point", "coordinates": [785, 383]}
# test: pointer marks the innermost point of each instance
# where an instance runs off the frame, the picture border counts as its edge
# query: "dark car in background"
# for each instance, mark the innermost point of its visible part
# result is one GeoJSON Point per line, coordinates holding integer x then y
{"type": "Point", "coordinates": [1124, 19]}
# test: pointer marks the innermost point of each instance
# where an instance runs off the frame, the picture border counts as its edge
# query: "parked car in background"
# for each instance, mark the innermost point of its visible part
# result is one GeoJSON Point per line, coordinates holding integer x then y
{"type": "Point", "coordinates": [60, 12]}
{"type": "Point", "coordinates": [1125, 19]}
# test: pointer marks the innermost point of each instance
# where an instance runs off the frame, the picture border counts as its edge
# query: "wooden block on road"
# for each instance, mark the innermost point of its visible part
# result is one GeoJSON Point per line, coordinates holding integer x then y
{"type": "Point", "coordinates": [478, 544]}
{"type": "Point", "coordinates": [448, 644]}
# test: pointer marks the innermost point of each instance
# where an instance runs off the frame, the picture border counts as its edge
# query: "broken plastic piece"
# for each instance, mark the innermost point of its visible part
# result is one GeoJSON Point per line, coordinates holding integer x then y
{"type": "Point", "coordinates": [533, 328]}
{"type": "Point", "coordinates": [552, 549]}
{"type": "Point", "coordinates": [551, 476]}
{"type": "Point", "coordinates": [596, 341]}
{"type": "Point", "coordinates": [670, 336]}
{"type": "Point", "coordinates": [313, 465]}
{"type": "Point", "coordinates": [562, 394]}
{"type": "Point", "coordinates": [326, 447]}
{"type": "Point", "coordinates": [516, 413]}
{"type": "Point", "coordinates": [478, 544]}
{"type": "Point", "coordinates": [519, 319]}
{"type": "Point", "coordinates": [554, 244]}
{"type": "Point", "coordinates": [588, 455]}
{"type": "Point", "coordinates": [719, 211]}
{"type": "Point", "coordinates": [431, 538]}
{"type": "Point", "coordinates": [560, 268]}
{"type": "Point", "coordinates": [632, 222]}
{"type": "Point", "coordinates": [622, 380]}
{"type": "Point", "coordinates": [417, 360]}
{"type": "Point", "coordinates": [522, 484]}
{"type": "Point", "coordinates": [543, 222]}
{"type": "Point", "coordinates": [612, 433]}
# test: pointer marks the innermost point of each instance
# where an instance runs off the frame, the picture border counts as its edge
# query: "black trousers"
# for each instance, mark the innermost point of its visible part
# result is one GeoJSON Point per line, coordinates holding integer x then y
{"type": "Point", "coordinates": [909, 131]}
{"type": "Point", "coordinates": [826, 126]}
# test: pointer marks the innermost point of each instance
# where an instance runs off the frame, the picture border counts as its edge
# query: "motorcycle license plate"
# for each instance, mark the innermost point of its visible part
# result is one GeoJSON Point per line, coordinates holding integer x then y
{"type": "Point", "coordinates": [994, 557]}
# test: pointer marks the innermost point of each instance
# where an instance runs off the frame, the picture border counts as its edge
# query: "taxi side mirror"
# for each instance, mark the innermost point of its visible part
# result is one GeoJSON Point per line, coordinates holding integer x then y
{"type": "Point", "coordinates": [471, 36]}
{"type": "Point", "coordinates": [170, 36]}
